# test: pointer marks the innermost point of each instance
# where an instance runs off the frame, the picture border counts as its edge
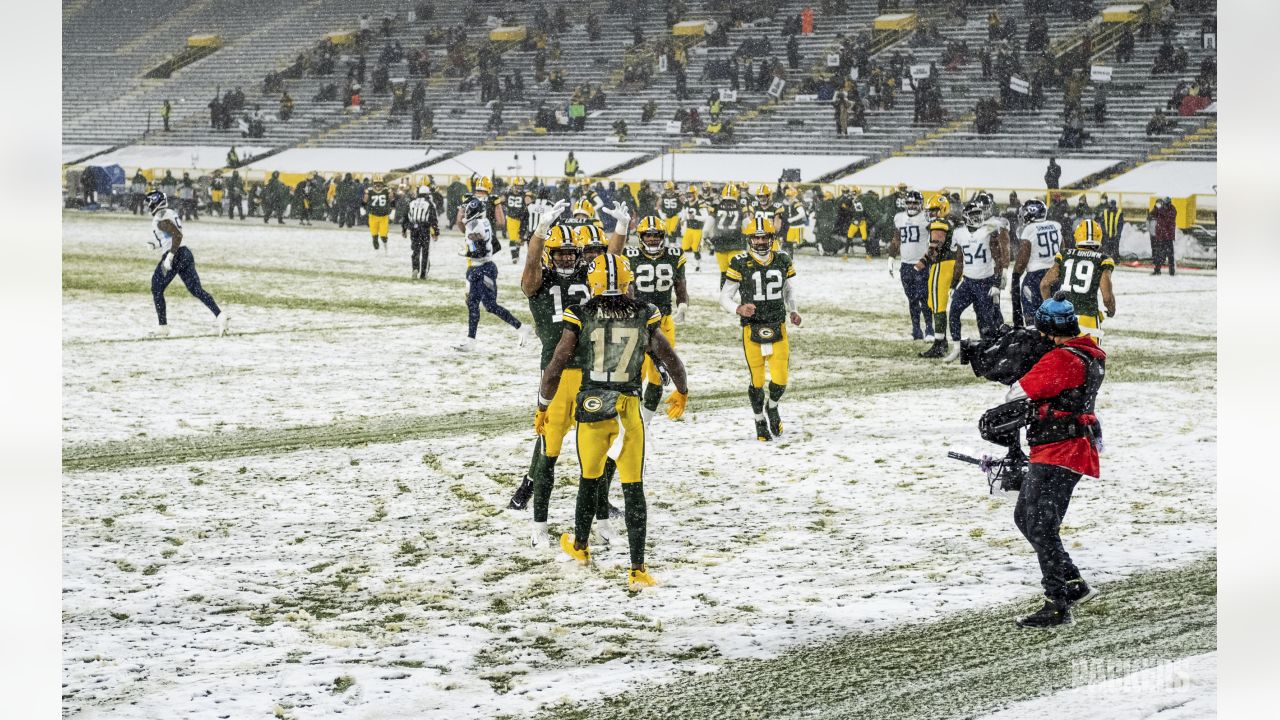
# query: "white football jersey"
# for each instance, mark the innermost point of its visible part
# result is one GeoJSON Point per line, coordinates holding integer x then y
{"type": "Point", "coordinates": [913, 233]}
{"type": "Point", "coordinates": [479, 250]}
{"type": "Point", "coordinates": [1045, 239]}
{"type": "Point", "coordinates": [162, 240]}
{"type": "Point", "coordinates": [979, 262]}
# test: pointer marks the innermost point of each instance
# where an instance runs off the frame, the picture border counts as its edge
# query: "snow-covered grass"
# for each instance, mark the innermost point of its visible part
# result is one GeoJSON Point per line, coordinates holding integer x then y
{"type": "Point", "coordinates": [305, 516]}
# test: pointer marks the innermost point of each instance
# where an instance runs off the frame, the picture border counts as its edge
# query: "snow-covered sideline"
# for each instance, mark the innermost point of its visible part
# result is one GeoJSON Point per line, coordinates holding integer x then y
{"type": "Point", "coordinates": [736, 167]}
{"type": "Point", "coordinates": [973, 173]}
{"type": "Point", "coordinates": [1185, 689]}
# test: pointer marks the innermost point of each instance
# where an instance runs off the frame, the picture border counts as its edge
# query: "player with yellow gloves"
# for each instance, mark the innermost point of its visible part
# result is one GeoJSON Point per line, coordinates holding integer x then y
{"type": "Point", "coordinates": [618, 332]}
{"type": "Point", "coordinates": [762, 280]}
{"type": "Point", "coordinates": [659, 273]}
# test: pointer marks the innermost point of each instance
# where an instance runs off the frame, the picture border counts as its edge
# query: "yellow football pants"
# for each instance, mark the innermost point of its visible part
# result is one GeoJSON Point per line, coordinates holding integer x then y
{"type": "Point", "coordinates": [513, 229]}
{"type": "Point", "coordinates": [594, 440]}
{"type": "Point", "coordinates": [1091, 325]}
{"type": "Point", "coordinates": [723, 258]}
{"type": "Point", "coordinates": [691, 240]}
{"type": "Point", "coordinates": [856, 229]}
{"type": "Point", "coordinates": [378, 225]}
{"type": "Point", "coordinates": [671, 225]}
{"type": "Point", "coordinates": [756, 359]}
{"type": "Point", "coordinates": [940, 276]}
{"type": "Point", "coordinates": [216, 196]}
{"type": "Point", "coordinates": [650, 370]}
{"type": "Point", "coordinates": [560, 412]}
{"type": "Point", "coordinates": [795, 235]}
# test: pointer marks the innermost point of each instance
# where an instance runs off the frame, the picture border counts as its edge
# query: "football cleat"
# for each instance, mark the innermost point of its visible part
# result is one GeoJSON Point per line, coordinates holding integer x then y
{"type": "Point", "coordinates": [638, 580]}
{"type": "Point", "coordinates": [160, 331]}
{"type": "Point", "coordinates": [223, 321]}
{"type": "Point", "coordinates": [614, 512]}
{"type": "Point", "coordinates": [774, 419]}
{"type": "Point", "coordinates": [520, 499]}
{"type": "Point", "coordinates": [467, 345]}
{"type": "Point", "coordinates": [538, 535]}
{"type": "Point", "coordinates": [1051, 615]}
{"type": "Point", "coordinates": [953, 355]}
{"type": "Point", "coordinates": [762, 431]}
{"type": "Point", "coordinates": [525, 331]}
{"type": "Point", "coordinates": [937, 350]}
{"type": "Point", "coordinates": [606, 532]}
{"type": "Point", "coordinates": [566, 544]}
{"type": "Point", "coordinates": [1079, 592]}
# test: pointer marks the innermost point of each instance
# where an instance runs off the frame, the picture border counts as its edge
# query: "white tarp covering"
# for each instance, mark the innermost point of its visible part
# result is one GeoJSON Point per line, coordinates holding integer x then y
{"type": "Point", "coordinates": [1170, 178]}
{"type": "Point", "coordinates": [353, 160]}
{"type": "Point", "coordinates": [197, 157]}
{"type": "Point", "coordinates": [932, 173]}
{"type": "Point", "coordinates": [724, 167]}
{"type": "Point", "coordinates": [529, 163]}
{"type": "Point", "coordinates": [71, 153]}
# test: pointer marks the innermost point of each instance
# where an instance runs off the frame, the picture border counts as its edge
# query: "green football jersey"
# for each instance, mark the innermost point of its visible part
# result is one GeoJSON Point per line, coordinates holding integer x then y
{"type": "Point", "coordinates": [761, 284]}
{"type": "Point", "coordinates": [547, 305]}
{"type": "Point", "coordinates": [655, 278]}
{"type": "Point", "coordinates": [1080, 271]}
{"type": "Point", "coordinates": [728, 233]}
{"type": "Point", "coordinates": [379, 202]}
{"type": "Point", "coordinates": [615, 343]}
{"type": "Point", "coordinates": [670, 204]}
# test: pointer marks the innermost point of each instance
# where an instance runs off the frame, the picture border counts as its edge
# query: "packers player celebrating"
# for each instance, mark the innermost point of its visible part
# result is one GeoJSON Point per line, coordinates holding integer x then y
{"type": "Point", "coordinates": [728, 238]}
{"type": "Point", "coordinates": [377, 204]}
{"type": "Point", "coordinates": [618, 332]}
{"type": "Point", "coordinates": [1084, 270]}
{"type": "Point", "coordinates": [658, 271]}
{"type": "Point", "coordinates": [761, 277]}
{"type": "Point", "coordinates": [940, 260]}
{"type": "Point", "coordinates": [693, 218]}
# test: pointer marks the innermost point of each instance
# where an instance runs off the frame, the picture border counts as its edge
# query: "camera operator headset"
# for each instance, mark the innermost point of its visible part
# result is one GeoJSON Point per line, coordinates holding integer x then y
{"type": "Point", "coordinates": [1060, 390]}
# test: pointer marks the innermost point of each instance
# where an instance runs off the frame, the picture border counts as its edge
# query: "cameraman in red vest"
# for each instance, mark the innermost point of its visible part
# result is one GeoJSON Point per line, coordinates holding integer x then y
{"type": "Point", "coordinates": [1064, 436]}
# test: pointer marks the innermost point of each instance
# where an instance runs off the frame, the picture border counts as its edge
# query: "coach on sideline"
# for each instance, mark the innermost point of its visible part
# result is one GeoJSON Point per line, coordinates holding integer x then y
{"type": "Point", "coordinates": [1063, 434]}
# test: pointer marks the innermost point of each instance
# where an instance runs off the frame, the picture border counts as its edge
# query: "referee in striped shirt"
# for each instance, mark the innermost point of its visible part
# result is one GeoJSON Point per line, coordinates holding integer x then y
{"type": "Point", "coordinates": [422, 226]}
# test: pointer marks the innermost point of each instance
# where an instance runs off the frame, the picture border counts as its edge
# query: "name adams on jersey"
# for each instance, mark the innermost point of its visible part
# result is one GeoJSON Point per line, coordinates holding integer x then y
{"type": "Point", "coordinates": [761, 284]}
{"type": "Point", "coordinates": [655, 278]}
{"type": "Point", "coordinates": [615, 344]}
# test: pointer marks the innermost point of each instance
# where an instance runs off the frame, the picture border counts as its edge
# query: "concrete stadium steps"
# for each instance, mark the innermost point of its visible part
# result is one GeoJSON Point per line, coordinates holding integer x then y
{"type": "Point", "coordinates": [1199, 144]}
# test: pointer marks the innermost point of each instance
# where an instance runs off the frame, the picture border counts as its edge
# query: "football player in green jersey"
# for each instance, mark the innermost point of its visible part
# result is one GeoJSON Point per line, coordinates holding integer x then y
{"type": "Point", "coordinates": [659, 272]}
{"type": "Point", "coordinates": [378, 205]}
{"type": "Point", "coordinates": [762, 278]}
{"type": "Point", "coordinates": [1084, 271]}
{"type": "Point", "coordinates": [727, 237]}
{"type": "Point", "coordinates": [618, 332]}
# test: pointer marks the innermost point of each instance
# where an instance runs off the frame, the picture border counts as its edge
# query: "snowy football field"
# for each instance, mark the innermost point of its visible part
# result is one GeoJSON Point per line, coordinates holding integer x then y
{"type": "Point", "coordinates": [306, 518]}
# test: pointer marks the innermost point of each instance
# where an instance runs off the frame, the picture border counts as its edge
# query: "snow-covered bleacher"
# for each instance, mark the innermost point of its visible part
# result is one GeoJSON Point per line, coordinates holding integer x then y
{"type": "Point", "coordinates": [974, 173]}
{"type": "Point", "coordinates": [736, 167]}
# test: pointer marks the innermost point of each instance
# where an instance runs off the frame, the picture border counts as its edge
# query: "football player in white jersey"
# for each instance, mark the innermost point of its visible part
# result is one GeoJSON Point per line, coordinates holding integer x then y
{"type": "Point", "coordinates": [1041, 241]}
{"type": "Point", "coordinates": [482, 275]}
{"type": "Point", "coordinates": [979, 248]}
{"type": "Point", "coordinates": [176, 260]}
{"type": "Point", "coordinates": [909, 244]}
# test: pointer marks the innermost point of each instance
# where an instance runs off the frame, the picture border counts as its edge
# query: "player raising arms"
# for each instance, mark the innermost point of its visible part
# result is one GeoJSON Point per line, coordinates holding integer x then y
{"type": "Point", "coordinates": [1083, 271]}
{"type": "Point", "coordinates": [658, 272]}
{"type": "Point", "coordinates": [176, 260]}
{"type": "Point", "coordinates": [762, 278]}
{"type": "Point", "coordinates": [910, 242]}
{"type": "Point", "coordinates": [1041, 240]}
{"type": "Point", "coordinates": [940, 260]}
{"type": "Point", "coordinates": [482, 275]}
{"type": "Point", "coordinates": [618, 331]}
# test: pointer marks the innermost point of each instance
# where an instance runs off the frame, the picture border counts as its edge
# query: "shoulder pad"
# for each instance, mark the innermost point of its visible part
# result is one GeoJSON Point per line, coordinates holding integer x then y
{"type": "Point", "coordinates": [631, 251]}
{"type": "Point", "coordinates": [674, 251]}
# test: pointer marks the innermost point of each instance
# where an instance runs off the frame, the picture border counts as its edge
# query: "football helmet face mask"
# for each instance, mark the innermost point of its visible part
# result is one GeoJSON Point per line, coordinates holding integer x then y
{"type": "Point", "coordinates": [974, 215]}
{"type": "Point", "coordinates": [156, 201]}
{"type": "Point", "coordinates": [760, 235]}
{"type": "Point", "coordinates": [590, 242]}
{"type": "Point", "coordinates": [913, 203]}
{"type": "Point", "coordinates": [939, 207]}
{"type": "Point", "coordinates": [1034, 211]}
{"type": "Point", "coordinates": [985, 201]}
{"type": "Point", "coordinates": [483, 185]}
{"type": "Point", "coordinates": [562, 255]}
{"type": "Point", "coordinates": [609, 275]}
{"type": "Point", "coordinates": [474, 209]}
{"type": "Point", "coordinates": [653, 236]}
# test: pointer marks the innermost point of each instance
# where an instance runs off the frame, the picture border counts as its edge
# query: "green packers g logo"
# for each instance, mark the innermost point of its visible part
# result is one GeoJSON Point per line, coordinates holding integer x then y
{"type": "Point", "coordinates": [592, 403]}
{"type": "Point", "coordinates": [766, 333]}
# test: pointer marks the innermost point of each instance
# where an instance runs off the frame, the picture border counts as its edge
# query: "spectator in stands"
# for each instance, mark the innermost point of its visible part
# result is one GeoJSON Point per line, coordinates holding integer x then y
{"type": "Point", "coordinates": [286, 106]}
{"type": "Point", "coordinates": [556, 80]}
{"type": "Point", "coordinates": [1124, 46]}
{"type": "Point", "coordinates": [495, 117]}
{"type": "Point", "coordinates": [993, 25]}
{"type": "Point", "coordinates": [215, 110]}
{"type": "Point", "coordinates": [793, 53]}
{"type": "Point", "coordinates": [1100, 103]}
{"type": "Point", "coordinates": [1159, 123]}
{"type": "Point", "coordinates": [1163, 216]}
{"type": "Point", "coordinates": [1052, 174]}
{"type": "Point", "coordinates": [648, 112]}
{"type": "Point", "coordinates": [620, 129]}
{"type": "Point", "coordinates": [165, 111]}
{"type": "Point", "coordinates": [987, 116]}
{"type": "Point", "coordinates": [1179, 92]}
{"type": "Point", "coordinates": [1073, 134]}
{"type": "Point", "coordinates": [593, 27]}
{"type": "Point", "coordinates": [1164, 61]}
{"type": "Point", "coordinates": [682, 83]}
{"type": "Point", "coordinates": [1038, 35]}
{"type": "Point", "coordinates": [571, 166]}
{"type": "Point", "coordinates": [1209, 33]}
{"type": "Point", "coordinates": [841, 106]}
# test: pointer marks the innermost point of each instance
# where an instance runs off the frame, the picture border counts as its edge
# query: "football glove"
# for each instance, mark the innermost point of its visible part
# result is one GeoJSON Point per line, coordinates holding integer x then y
{"type": "Point", "coordinates": [620, 213]}
{"type": "Point", "coordinates": [167, 262]}
{"type": "Point", "coordinates": [681, 311]}
{"type": "Point", "coordinates": [676, 403]}
{"type": "Point", "coordinates": [994, 293]}
{"type": "Point", "coordinates": [540, 422]}
{"type": "Point", "coordinates": [363, 212]}
{"type": "Point", "coordinates": [548, 217]}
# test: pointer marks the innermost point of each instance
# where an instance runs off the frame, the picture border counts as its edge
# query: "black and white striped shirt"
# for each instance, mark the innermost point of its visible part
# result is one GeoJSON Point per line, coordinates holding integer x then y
{"type": "Point", "coordinates": [422, 215]}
